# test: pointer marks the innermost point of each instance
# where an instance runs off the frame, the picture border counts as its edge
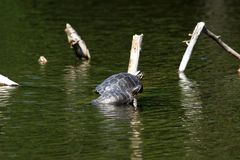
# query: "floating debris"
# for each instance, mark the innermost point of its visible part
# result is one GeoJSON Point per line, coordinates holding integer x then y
{"type": "Point", "coordinates": [42, 60]}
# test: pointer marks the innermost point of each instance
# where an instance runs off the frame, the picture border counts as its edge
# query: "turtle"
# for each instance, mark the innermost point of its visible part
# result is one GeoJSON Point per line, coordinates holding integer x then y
{"type": "Point", "coordinates": [120, 88]}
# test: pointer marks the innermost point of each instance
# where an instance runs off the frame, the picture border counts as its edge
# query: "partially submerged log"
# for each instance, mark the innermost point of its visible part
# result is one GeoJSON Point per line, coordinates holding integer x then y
{"type": "Point", "coordinates": [134, 54]}
{"type": "Point", "coordinates": [77, 43]}
{"type": "Point", "coordinates": [200, 27]}
{"type": "Point", "coordinates": [196, 33]}
{"type": "Point", "coordinates": [4, 81]}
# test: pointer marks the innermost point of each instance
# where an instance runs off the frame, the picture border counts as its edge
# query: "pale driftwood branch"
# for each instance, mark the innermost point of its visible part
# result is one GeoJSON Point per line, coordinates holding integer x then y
{"type": "Point", "coordinates": [196, 33]}
{"type": "Point", "coordinates": [77, 43]}
{"type": "Point", "coordinates": [200, 27]}
{"type": "Point", "coordinates": [221, 43]}
{"type": "Point", "coordinates": [135, 53]}
{"type": "Point", "coordinates": [4, 81]}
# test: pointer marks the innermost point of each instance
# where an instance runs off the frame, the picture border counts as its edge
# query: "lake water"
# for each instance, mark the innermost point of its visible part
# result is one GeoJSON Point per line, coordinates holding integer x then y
{"type": "Point", "coordinates": [50, 116]}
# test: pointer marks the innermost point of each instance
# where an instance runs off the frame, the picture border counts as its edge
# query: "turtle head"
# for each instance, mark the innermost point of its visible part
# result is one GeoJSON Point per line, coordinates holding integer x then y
{"type": "Point", "coordinates": [139, 75]}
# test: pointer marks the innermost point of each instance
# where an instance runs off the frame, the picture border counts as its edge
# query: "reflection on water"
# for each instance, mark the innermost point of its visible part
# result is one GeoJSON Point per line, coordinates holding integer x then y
{"type": "Point", "coordinates": [5, 94]}
{"type": "Point", "coordinates": [75, 79]}
{"type": "Point", "coordinates": [76, 75]}
{"type": "Point", "coordinates": [238, 71]}
{"type": "Point", "coordinates": [136, 140]}
{"type": "Point", "coordinates": [131, 113]}
{"type": "Point", "coordinates": [192, 106]}
{"type": "Point", "coordinates": [79, 71]}
{"type": "Point", "coordinates": [190, 96]}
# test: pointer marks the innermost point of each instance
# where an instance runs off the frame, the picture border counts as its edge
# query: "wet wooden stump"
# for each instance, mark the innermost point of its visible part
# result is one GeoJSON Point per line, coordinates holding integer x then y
{"type": "Point", "coordinates": [134, 58]}
{"type": "Point", "coordinates": [134, 54]}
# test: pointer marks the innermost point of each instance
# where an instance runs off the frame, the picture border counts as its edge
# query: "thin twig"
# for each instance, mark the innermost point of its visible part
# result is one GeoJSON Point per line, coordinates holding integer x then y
{"type": "Point", "coordinates": [220, 42]}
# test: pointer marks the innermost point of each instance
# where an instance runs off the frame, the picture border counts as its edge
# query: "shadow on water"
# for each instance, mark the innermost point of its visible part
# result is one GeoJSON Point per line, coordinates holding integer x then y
{"type": "Point", "coordinates": [131, 113]}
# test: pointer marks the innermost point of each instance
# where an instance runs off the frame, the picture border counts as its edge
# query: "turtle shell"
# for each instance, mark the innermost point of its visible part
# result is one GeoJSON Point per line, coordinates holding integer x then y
{"type": "Point", "coordinates": [121, 82]}
{"type": "Point", "coordinates": [118, 89]}
{"type": "Point", "coordinates": [116, 98]}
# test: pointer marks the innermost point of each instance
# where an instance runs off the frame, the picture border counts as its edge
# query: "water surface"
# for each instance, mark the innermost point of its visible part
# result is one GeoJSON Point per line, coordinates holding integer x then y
{"type": "Point", "coordinates": [50, 116]}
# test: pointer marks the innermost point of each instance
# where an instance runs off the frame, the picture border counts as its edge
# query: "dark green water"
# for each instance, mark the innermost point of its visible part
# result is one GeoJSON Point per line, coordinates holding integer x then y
{"type": "Point", "coordinates": [50, 115]}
